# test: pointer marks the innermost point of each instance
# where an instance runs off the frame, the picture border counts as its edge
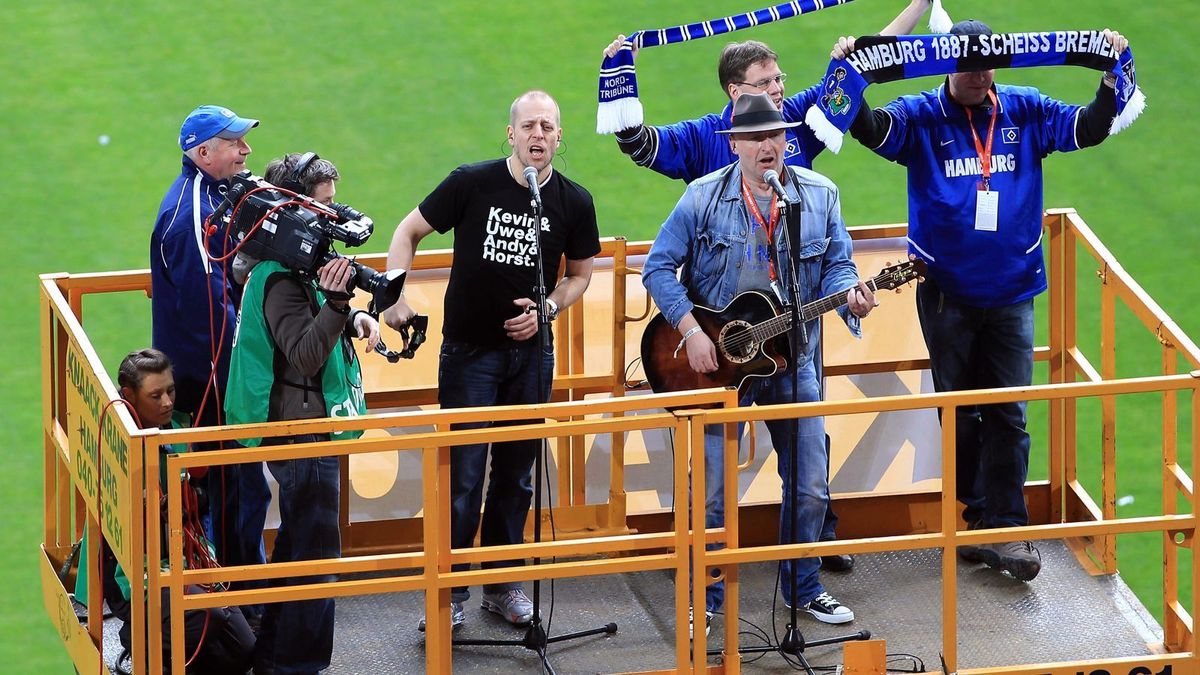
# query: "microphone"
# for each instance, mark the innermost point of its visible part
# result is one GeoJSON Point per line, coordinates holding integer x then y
{"type": "Point", "coordinates": [232, 196]}
{"type": "Point", "coordinates": [771, 176]}
{"type": "Point", "coordinates": [531, 178]}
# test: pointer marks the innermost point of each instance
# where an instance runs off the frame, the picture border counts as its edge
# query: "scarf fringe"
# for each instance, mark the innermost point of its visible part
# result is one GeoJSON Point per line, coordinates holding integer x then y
{"type": "Point", "coordinates": [825, 132]}
{"type": "Point", "coordinates": [1137, 103]}
{"type": "Point", "coordinates": [614, 116]}
{"type": "Point", "coordinates": [939, 19]}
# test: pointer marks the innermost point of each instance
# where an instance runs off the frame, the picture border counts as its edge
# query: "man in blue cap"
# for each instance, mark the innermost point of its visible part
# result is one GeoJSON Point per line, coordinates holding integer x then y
{"type": "Point", "coordinates": [195, 309]}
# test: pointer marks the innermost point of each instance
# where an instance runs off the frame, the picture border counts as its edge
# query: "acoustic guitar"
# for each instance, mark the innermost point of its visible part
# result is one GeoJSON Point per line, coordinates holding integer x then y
{"type": "Point", "coordinates": [748, 334]}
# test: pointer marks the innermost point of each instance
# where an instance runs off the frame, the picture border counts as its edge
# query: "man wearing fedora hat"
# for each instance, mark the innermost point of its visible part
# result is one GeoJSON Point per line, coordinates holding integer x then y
{"type": "Point", "coordinates": [723, 236]}
{"type": "Point", "coordinates": [689, 149]}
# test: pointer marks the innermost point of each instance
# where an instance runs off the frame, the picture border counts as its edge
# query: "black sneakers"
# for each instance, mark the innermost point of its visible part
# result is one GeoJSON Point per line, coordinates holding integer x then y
{"type": "Point", "coordinates": [837, 563]}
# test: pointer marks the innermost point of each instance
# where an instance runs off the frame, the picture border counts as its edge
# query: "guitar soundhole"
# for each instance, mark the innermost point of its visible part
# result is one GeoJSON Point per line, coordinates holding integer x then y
{"type": "Point", "coordinates": [737, 342]}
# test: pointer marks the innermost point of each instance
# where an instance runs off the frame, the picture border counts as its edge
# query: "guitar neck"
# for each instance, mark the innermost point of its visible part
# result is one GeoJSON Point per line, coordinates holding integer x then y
{"type": "Point", "coordinates": [831, 302]}
{"type": "Point", "coordinates": [783, 323]}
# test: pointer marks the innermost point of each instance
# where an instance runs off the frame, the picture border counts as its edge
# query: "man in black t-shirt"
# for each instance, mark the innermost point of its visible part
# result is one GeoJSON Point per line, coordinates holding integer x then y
{"type": "Point", "coordinates": [489, 352]}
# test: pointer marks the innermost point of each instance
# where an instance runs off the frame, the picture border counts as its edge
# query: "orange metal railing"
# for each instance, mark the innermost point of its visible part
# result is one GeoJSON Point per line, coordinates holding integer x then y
{"type": "Point", "coordinates": [98, 488]}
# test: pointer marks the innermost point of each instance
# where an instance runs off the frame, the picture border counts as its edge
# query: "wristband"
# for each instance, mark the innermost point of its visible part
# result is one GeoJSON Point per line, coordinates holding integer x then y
{"type": "Point", "coordinates": [551, 309]}
{"type": "Point", "coordinates": [691, 331]}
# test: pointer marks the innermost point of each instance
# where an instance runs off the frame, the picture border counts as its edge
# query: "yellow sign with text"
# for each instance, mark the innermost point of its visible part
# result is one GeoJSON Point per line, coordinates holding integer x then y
{"type": "Point", "coordinates": [73, 634]}
{"type": "Point", "coordinates": [99, 457]}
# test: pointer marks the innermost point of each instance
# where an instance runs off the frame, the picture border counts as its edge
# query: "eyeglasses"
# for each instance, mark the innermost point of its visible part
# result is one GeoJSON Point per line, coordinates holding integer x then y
{"type": "Point", "coordinates": [766, 81]}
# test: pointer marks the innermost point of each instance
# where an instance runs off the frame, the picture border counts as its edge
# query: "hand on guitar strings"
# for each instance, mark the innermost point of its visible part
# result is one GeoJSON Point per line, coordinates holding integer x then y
{"type": "Point", "coordinates": [861, 300]}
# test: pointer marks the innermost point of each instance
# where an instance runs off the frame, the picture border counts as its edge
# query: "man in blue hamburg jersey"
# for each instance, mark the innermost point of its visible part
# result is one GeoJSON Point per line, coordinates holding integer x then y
{"type": "Point", "coordinates": [974, 153]}
{"type": "Point", "coordinates": [690, 149]}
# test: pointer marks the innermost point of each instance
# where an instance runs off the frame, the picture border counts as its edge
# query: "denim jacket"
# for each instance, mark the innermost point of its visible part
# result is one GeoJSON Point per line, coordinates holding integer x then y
{"type": "Point", "coordinates": [697, 256]}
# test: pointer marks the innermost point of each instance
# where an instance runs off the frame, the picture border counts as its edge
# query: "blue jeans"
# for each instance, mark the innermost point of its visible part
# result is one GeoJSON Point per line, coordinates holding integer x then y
{"type": "Point", "coordinates": [807, 492]}
{"type": "Point", "coordinates": [976, 348]}
{"type": "Point", "coordinates": [240, 497]}
{"type": "Point", "coordinates": [469, 376]}
{"type": "Point", "coordinates": [297, 637]}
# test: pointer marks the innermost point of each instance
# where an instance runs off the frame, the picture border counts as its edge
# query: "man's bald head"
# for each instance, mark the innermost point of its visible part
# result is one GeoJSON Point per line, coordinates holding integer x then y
{"type": "Point", "coordinates": [532, 95]}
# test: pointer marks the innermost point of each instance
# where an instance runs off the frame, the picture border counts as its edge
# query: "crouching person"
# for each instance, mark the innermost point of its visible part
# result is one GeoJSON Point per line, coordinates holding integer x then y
{"type": "Point", "coordinates": [217, 640]}
{"type": "Point", "coordinates": [292, 360]}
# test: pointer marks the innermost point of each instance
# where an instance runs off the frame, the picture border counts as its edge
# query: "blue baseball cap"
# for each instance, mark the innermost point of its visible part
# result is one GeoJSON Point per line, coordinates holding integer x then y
{"type": "Point", "coordinates": [208, 121]}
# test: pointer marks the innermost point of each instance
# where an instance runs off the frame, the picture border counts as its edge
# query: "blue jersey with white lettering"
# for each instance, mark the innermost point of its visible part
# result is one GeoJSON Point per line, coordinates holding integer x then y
{"type": "Point", "coordinates": [930, 136]}
{"type": "Point", "coordinates": [690, 149]}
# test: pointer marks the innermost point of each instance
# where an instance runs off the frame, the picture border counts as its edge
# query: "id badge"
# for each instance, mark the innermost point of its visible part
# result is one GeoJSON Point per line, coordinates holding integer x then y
{"type": "Point", "coordinates": [987, 204]}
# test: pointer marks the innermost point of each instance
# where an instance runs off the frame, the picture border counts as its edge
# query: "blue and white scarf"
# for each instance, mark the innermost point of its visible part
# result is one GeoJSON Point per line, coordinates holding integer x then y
{"type": "Point", "coordinates": [619, 107]}
{"type": "Point", "coordinates": [886, 59]}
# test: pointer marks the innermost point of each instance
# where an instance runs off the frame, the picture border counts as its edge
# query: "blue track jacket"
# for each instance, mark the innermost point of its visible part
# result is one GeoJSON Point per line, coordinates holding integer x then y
{"type": "Point", "coordinates": [180, 276]}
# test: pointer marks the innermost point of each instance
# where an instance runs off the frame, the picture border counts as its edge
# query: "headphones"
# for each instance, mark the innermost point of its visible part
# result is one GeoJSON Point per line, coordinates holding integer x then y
{"type": "Point", "coordinates": [292, 182]}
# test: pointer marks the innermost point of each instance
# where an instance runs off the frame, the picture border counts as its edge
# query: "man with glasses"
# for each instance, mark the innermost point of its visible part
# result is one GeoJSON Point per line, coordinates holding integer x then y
{"type": "Point", "coordinates": [690, 149]}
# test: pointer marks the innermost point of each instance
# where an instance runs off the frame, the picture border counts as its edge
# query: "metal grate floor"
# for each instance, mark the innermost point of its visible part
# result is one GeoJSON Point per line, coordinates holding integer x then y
{"type": "Point", "coordinates": [1064, 614]}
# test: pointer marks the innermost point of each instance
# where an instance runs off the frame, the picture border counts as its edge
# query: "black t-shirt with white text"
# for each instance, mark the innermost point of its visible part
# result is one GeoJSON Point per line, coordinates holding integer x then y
{"type": "Point", "coordinates": [495, 245]}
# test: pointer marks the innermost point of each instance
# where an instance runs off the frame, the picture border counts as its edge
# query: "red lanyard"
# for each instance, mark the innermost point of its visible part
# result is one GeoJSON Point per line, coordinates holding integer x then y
{"type": "Point", "coordinates": [767, 224]}
{"type": "Point", "coordinates": [985, 154]}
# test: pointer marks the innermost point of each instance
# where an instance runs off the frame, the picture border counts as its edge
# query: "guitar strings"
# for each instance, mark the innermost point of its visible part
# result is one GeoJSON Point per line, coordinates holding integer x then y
{"type": "Point", "coordinates": [778, 324]}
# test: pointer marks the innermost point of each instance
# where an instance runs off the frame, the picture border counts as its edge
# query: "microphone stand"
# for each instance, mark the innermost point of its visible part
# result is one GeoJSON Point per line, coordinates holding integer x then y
{"type": "Point", "coordinates": [535, 638]}
{"type": "Point", "coordinates": [793, 643]}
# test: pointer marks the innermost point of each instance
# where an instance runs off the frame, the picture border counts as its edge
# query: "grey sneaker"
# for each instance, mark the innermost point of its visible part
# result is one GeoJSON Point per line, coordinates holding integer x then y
{"type": "Point", "coordinates": [513, 605]}
{"type": "Point", "coordinates": [457, 617]}
{"type": "Point", "coordinates": [1018, 558]}
{"type": "Point", "coordinates": [970, 553]}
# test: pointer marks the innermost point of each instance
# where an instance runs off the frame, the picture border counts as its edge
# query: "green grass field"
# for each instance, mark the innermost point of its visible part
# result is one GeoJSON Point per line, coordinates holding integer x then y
{"type": "Point", "coordinates": [397, 94]}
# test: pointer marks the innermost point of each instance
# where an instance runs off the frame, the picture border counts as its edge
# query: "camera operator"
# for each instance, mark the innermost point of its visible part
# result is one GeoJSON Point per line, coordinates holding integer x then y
{"type": "Point", "coordinates": [305, 173]}
{"type": "Point", "coordinates": [184, 283]}
{"type": "Point", "coordinates": [292, 360]}
{"type": "Point", "coordinates": [216, 640]}
{"type": "Point", "coordinates": [490, 354]}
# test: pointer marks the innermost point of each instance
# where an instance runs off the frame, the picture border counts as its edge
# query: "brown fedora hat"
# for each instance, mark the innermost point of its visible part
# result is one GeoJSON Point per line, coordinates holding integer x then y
{"type": "Point", "coordinates": [756, 112]}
